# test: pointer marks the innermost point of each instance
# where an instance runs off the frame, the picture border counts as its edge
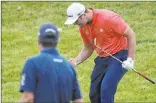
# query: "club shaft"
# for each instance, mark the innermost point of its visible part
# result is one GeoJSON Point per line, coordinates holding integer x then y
{"type": "Point", "coordinates": [132, 69]}
{"type": "Point", "coordinates": [110, 54]}
{"type": "Point", "coordinates": [150, 80]}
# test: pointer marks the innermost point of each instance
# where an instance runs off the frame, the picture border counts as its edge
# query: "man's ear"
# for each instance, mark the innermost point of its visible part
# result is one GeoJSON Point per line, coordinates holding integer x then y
{"type": "Point", "coordinates": [39, 44]}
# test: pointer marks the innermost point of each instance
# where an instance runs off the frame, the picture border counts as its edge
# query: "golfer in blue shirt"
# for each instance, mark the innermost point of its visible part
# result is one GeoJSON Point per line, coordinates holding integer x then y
{"type": "Point", "coordinates": [48, 77]}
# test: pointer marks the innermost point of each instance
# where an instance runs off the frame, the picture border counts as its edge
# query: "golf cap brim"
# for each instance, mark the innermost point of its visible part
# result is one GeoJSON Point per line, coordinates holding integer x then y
{"type": "Point", "coordinates": [70, 21]}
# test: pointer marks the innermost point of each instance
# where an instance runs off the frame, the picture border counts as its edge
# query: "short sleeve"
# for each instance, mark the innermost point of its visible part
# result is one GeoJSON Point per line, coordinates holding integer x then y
{"type": "Point", "coordinates": [76, 89]}
{"type": "Point", "coordinates": [28, 79]}
{"type": "Point", "coordinates": [83, 36]}
{"type": "Point", "coordinates": [117, 25]}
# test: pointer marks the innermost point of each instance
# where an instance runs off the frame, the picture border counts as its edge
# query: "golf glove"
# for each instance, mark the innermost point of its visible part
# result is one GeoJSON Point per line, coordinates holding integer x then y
{"type": "Point", "coordinates": [128, 64]}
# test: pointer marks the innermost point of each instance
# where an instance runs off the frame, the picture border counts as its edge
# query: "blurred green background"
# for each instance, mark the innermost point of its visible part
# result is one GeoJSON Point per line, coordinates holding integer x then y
{"type": "Point", "coordinates": [21, 21]}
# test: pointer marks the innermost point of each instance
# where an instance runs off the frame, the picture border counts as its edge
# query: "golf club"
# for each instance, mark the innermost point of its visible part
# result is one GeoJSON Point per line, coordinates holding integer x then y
{"type": "Point", "coordinates": [147, 78]}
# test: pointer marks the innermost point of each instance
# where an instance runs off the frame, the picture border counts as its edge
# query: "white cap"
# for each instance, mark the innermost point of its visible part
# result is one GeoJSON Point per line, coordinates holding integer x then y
{"type": "Point", "coordinates": [73, 12]}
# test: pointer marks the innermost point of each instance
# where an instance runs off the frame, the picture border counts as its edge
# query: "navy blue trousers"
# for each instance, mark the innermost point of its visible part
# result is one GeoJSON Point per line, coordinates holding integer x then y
{"type": "Point", "coordinates": [105, 77]}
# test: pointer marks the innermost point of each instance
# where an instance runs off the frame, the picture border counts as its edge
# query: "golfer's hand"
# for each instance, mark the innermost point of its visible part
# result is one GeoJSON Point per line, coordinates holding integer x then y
{"type": "Point", "coordinates": [128, 64]}
{"type": "Point", "coordinates": [73, 62]}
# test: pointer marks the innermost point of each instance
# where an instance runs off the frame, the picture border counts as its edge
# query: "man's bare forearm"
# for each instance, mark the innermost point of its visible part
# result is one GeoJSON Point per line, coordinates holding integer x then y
{"type": "Point", "coordinates": [131, 42]}
{"type": "Point", "coordinates": [85, 53]}
{"type": "Point", "coordinates": [131, 47]}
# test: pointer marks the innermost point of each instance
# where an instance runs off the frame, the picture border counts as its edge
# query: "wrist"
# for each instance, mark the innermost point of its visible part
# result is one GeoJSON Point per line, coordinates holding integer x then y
{"type": "Point", "coordinates": [130, 58]}
{"type": "Point", "coordinates": [76, 61]}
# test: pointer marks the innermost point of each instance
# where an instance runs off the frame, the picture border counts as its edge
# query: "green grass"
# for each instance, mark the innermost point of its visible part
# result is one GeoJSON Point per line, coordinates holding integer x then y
{"type": "Point", "coordinates": [19, 29]}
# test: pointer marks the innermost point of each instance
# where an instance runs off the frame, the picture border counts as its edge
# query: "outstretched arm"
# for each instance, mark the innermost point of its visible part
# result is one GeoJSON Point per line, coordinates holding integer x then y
{"type": "Point", "coordinates": [85, 53]}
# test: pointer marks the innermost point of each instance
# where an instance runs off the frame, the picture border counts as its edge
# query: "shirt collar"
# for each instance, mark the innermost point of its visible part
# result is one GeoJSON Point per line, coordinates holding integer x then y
{"type": "Point", "coordinates": [95, 14]}
{"type": "Point", "coordinates": [50, 51]}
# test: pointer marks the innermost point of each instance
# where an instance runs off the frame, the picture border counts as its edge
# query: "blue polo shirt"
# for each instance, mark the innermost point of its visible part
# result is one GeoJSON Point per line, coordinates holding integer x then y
{"type": "Point", "coordinates": [50, 77]}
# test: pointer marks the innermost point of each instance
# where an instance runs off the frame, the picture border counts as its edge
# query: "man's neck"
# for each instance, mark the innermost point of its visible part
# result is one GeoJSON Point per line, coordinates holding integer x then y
{"type": "Point", "coordinates": [42, 48]}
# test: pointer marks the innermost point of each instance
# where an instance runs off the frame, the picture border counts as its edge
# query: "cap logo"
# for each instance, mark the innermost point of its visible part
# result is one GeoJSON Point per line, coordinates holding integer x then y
{"type": "Point", "coordinates": [70, 15]}
{"type": "Point", "coordinates": [80, 13]}
{"type": "Point", "coordinates": [101, 30]}
{"type": "Point", "coordinates": [50, 30]}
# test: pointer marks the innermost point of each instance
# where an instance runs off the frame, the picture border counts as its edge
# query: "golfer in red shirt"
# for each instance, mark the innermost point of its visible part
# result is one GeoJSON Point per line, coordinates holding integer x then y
{"type": "Point", "coordinates": [114, 36]}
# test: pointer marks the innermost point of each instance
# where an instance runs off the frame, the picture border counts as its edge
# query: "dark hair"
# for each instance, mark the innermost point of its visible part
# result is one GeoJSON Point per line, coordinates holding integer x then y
{"type": "Point", "coordinates": [48, 43]}
{"type": "Point", "coordinates": [86, 10]}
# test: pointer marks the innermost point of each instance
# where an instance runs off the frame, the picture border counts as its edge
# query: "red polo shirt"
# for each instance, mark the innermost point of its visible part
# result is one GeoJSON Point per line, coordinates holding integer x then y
{"type": "Point", "coordinates": [108, 29]}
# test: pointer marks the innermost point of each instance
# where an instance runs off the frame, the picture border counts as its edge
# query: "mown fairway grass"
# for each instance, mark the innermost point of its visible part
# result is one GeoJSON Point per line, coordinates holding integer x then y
{"type": "Point", "coordinates": [21, 20]}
